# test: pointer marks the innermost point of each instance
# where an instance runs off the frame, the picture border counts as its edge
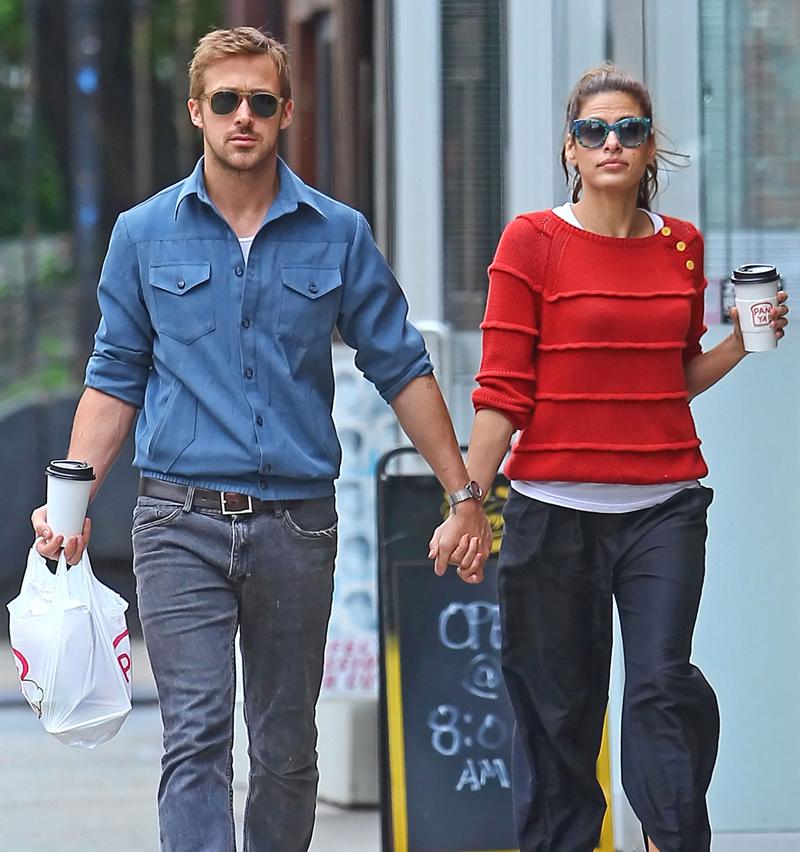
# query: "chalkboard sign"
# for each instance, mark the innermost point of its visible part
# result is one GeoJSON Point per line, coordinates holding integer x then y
{"type": "Point", "coordinates": [455, 742]}
{"type": "Point", "coordinates": [445, 716]}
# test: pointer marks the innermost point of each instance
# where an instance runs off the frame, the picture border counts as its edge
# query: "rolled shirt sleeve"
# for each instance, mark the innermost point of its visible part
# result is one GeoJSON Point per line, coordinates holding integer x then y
{"type": "Point", "coordinates": [373, 319]}
{"type": "Point", "coordinates": [122, 354]}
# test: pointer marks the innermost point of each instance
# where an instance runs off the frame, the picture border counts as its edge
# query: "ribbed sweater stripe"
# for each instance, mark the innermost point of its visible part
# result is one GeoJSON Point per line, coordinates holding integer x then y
{"type": "Point", "coordinates": [608, 344]}
{"type": "Point", "coordinates": [617, 448]}
{"type": "Point", "coordinates": [510, 326]}
{"type": "Point", "coordinates": [608, 294]}
{"type": "Point", "coordinates": [619, 397]}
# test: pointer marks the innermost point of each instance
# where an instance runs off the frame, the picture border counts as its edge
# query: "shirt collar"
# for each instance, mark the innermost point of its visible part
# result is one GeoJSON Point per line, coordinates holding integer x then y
{"type": "Point", "coordinates": [292, 192]}
{"type": "Point", "coordinates": [193, 185]}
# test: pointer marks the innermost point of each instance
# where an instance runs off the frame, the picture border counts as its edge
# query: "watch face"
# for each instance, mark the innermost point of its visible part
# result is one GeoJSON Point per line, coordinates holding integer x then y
{"type": "Point", "coordinates": [475, 490]}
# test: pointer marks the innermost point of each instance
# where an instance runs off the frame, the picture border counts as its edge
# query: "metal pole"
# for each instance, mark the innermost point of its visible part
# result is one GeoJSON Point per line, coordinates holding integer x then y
{"type": "Point", "coordinates": [141, 26]}
{"type": "Point", "coordinates": [29, 341]}
{"type": "Point", "coordinates": [85, 161]}
{"type": "Point", "coordinates": [184, 130]}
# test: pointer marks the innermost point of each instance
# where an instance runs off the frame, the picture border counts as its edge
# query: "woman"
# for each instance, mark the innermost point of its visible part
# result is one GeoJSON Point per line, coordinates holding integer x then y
{"type": "Point", "coordinates": [591, 349]}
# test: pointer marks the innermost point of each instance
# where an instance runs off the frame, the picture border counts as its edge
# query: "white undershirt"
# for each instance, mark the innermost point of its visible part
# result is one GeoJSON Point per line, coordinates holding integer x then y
{"type": "Point", "coordinates": [566, 213]}
{"type": "Point", "coordinates": [246, 243]}
{"type": "Point", "coordinates": [609, 498]}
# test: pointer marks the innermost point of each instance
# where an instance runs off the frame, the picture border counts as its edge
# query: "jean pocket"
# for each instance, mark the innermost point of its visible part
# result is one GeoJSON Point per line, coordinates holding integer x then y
{"type": "Point", "coordinates": [150, 512]}
{"type": "Point", "coordinates": [184, 305]}
{"type": "Point", "coordinates": [312, 519]}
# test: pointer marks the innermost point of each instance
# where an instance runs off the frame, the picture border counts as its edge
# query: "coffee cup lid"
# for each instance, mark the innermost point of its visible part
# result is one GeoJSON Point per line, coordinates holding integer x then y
{"type": "Point", "coordinates": [68, 469]}
{"type": "Point", "coordinates": [755, 273]}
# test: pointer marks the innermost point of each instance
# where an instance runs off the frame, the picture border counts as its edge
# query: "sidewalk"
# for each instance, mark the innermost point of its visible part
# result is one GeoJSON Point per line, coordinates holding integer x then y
{"type": "Point", "coordinates": [59, 799]}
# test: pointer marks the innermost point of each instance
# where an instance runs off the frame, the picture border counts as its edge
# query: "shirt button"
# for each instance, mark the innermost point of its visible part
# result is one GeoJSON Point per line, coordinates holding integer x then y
{"type": "Point", "coordinates": [666, 231]}
{"type": "Point", "coordinates": [245, 323]}
{"type": "Point", "coordinates": [680, 245]}
{"type": "Point", "coordinates": [267, 468]}
{"type": "Point", "coordinates": [690, 265]}
{"type": "Point", "coordinates": [248, 373]}
{"type": "Point", "coordinates": [239, 271]}
{"type": "Point", "coordinates": [181, 285]}
{"type": "Point", "coordinates": [262, 483]}
{"type": "Point", "coordinates": [312, 288]}
{"type": "Point", "coordinates": [259, 420]}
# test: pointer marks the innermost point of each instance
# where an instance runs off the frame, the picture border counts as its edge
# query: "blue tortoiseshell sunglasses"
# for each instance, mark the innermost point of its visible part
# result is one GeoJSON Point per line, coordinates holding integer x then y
{"type": "Point", "coordinates": [593, 132]}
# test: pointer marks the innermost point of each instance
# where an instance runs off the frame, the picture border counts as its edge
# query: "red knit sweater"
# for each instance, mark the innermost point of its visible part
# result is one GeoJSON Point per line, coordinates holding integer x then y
{"type": "Point", "coordinates": [585, 341]}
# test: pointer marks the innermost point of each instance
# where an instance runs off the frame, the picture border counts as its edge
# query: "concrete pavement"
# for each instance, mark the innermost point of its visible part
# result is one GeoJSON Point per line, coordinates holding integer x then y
{"type": "Point", "coordinates": [59, 799]}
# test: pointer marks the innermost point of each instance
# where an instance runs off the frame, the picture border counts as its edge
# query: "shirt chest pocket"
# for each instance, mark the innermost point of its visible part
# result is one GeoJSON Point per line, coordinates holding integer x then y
{"type": "Point", "coordinates": [184, 307]}
{"type": "Point", "coordinates": [310, 298]}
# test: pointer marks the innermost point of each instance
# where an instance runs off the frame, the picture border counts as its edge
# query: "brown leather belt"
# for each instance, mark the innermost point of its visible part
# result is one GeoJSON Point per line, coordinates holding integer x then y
{"type": "Point", "coordinates": [225, 502]}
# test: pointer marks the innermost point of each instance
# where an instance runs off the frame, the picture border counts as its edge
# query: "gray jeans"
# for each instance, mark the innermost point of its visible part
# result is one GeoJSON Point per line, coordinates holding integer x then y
{"type": "Point", "coordinates": [200, 577]}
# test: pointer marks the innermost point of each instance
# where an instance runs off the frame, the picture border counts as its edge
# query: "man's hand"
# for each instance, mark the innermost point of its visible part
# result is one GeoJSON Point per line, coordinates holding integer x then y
{"type": "Point", "coordinates": [464, 540]}
{"type": "Point", "coordinates": [50, 546]}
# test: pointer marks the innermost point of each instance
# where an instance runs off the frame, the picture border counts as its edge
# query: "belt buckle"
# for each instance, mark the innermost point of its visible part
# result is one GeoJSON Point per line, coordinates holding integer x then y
{"type": "Point", "coordinates": [225, 495]}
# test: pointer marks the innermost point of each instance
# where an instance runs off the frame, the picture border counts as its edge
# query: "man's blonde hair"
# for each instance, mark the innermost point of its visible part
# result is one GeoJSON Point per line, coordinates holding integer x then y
{"type": "Point", "coordinates": [219, 44]}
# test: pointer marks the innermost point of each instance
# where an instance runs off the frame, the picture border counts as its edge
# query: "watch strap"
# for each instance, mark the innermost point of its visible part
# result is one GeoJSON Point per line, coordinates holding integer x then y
{"type": "Point", "coordinates": [471, 491]}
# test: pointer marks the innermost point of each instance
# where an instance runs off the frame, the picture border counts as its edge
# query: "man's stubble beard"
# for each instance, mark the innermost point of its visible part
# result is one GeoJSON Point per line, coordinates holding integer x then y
{"type": "Point", "coordinates": [242, 162]}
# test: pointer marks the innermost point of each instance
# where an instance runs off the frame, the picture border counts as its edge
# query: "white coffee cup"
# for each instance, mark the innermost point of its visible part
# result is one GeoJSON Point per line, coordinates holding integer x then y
{"type": "Point", "coordinates": [756, 288]}
{"type": "Point", "coordinates": [69, 484]}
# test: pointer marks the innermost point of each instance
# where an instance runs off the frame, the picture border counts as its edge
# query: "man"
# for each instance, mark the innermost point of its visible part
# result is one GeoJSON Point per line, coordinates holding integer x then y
{"type": "Point", "coordinates": [218, 298]}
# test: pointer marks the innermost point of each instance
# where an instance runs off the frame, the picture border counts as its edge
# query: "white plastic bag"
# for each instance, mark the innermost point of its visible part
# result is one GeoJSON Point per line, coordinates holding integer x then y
{"type": "Point", "coordinates": [72, 650]}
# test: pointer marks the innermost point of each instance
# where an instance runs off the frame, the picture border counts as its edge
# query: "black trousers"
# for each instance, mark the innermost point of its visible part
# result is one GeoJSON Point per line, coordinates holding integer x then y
{"type": "Point", "coordinates": [559, 569]}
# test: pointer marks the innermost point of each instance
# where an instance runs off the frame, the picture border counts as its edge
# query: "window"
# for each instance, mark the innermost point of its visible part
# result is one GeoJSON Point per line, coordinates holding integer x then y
{"type": "Point", "coordinates": [751, 124]}
{"type": "Point", "coordinates": [473, 137]}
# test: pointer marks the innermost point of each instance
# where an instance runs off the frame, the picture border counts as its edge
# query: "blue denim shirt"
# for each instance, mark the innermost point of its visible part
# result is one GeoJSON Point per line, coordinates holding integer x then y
{"type": "Point", "coordinates": [230, 363]}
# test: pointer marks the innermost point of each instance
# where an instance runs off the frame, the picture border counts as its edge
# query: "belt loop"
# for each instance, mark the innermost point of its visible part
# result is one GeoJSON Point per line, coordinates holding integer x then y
{"type": "Point", "coordinates": [277, 508]}
{"type": "Point", "coordinates": [187, 503]}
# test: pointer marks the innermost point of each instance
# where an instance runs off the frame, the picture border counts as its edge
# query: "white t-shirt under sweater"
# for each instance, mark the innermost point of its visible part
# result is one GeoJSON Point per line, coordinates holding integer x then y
{"type": "Point", "coordinates": [609, 498]}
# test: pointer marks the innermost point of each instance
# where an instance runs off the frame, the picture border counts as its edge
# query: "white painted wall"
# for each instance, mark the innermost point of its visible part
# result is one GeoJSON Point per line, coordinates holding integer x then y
{"type": "Point", "coordinates": [748, 638]}
{"type": "Point", "coordinates": [417, 144]}
{"type": "Point", "coordinates": [531, 122]}
{"type": "Point", "coordinates": [672, 67]}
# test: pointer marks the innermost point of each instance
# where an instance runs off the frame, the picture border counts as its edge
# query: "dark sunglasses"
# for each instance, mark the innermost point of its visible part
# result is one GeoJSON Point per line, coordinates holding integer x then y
{"type": "Point", "coordinates": [593, 132]}
{"type": "Point", "coordinates": [226, 101]}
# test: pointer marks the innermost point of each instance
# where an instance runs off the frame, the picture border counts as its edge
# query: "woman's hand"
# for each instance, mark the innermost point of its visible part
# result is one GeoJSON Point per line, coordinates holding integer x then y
{"type": "Point", "coordinates": [778, 319]}
{"type": "Point", "coordinates": [468, 553]}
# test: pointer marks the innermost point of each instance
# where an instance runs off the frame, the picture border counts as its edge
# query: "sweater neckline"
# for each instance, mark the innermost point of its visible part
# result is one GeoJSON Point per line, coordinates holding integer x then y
{"type": "Point", "coordinates": [627, 242]}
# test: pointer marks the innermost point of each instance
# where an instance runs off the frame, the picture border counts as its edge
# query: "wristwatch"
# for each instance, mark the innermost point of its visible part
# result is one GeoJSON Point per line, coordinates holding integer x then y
{"type": "Point", "coordinates": [471, 491]}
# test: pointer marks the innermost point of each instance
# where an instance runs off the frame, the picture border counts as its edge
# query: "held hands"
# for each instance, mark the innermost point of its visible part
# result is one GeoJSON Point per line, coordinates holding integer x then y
{"type": "Point", "coordinates": [464, 540]}
{"type": "Point", "coordinates": [50, 546]}
{"type": "Point", "coordinates": [778, 319]}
